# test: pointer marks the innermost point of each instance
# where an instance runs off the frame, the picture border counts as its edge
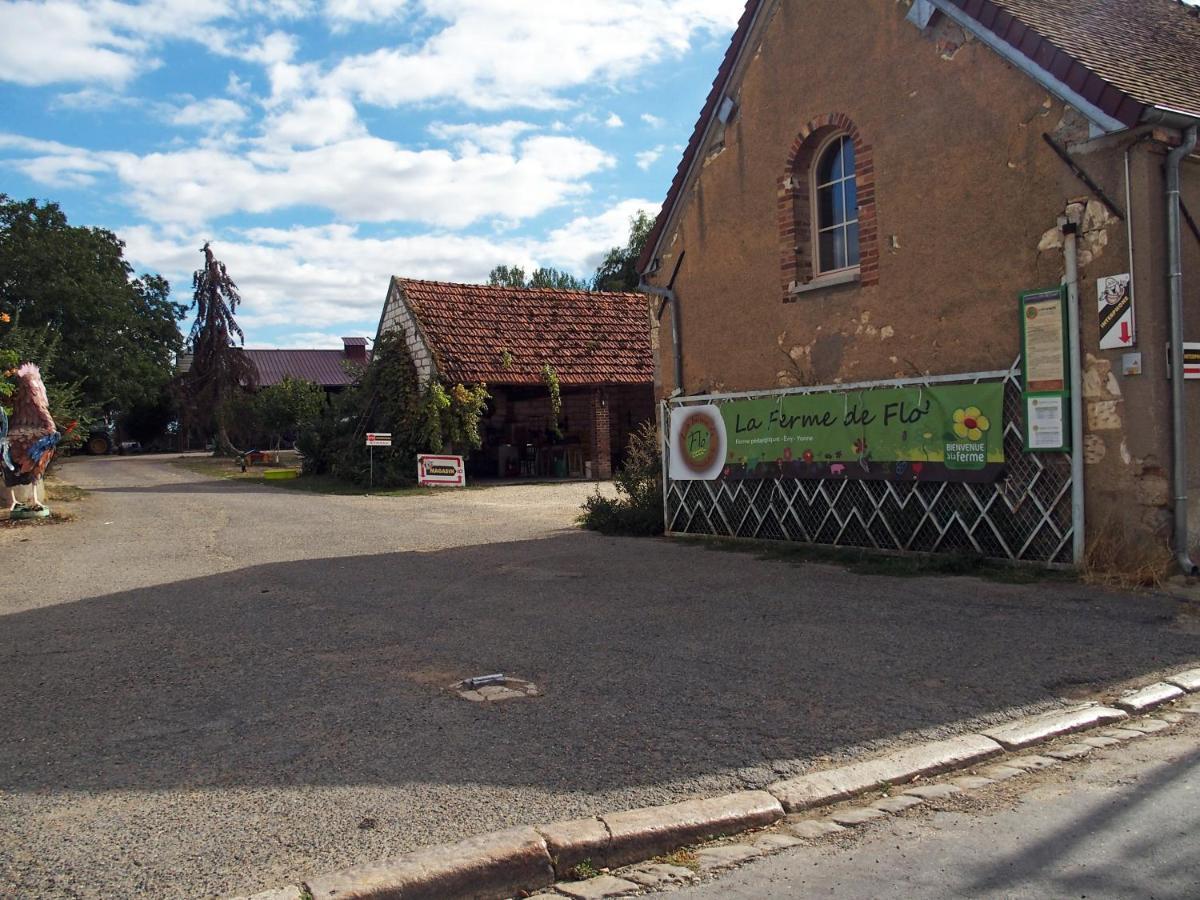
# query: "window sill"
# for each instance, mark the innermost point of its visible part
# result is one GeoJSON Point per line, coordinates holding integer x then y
{"type": "Point", "coordinates": [833, 279]}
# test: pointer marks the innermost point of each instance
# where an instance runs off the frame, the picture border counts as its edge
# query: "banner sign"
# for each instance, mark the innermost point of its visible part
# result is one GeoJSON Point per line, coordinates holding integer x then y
{"type": "Point", "coordinates": [379, 439]}
{"type": "Point", "coordinates": [1115, 302]}
{"type": "Point", "coordinates": [441, 471]}
{"type": "Point", "coordinates": [940, 433]}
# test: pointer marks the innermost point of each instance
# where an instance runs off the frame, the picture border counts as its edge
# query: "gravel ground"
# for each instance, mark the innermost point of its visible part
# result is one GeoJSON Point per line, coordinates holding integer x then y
{"type": "Point", "coordinates": [212, 688]}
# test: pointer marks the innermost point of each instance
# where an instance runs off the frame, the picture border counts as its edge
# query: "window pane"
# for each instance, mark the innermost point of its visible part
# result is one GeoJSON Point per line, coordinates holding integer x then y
{"type": "Point", "coordinates": [833, 250]}
{"type": "Point", "coordinates": [829, 205]}
{"type": "Point", "coordinates": [852, 244]}
{"type": "Point", "coordinates": [830, 168]}
{"type": "Point", "coordinates": [847, 156]}
{"type": "Point", "coordinates": [850, 186]}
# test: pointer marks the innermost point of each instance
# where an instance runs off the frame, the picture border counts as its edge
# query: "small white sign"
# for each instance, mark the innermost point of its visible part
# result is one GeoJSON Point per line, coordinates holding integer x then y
{"type": "Point", "coordinates": [1114, 300]}
{"type": "Point", "coordinates": [379, 439]}
{"type": "Point", "coordinates": [1047, 425]}
{"type": "Point", "coordinates": [441, 471]}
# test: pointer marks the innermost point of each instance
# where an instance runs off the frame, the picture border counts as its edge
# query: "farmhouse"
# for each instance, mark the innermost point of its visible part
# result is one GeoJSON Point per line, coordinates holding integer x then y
{"type": "Point", "coordinates": [570, 373]}
{"type": "Point", "coordinates": [983, 211]}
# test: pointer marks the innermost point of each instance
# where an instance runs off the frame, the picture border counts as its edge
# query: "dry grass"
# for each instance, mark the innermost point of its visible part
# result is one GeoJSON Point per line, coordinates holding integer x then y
{"type": "Point", "coordinates": [685, 857]}
{"type": "Point", "coordinates": [1117, 558]}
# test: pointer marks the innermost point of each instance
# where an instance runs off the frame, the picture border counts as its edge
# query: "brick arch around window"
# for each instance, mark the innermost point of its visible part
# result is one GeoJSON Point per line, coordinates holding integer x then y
{"type": "Point", "coordinates": [796, 227]}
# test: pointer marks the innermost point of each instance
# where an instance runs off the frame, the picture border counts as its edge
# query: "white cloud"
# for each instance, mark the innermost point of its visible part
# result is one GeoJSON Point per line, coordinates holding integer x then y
{"type": "Point", "coordinates": [363, 10]}
{"type": "Point", "coordinates": [360, 178]}
{"type": "Point", "coordinates": [646, 158]}
{"type": "Point", "coordinates": [313, 122]}
{"type": "Point", "coordinates": [493, 54]}
{"type": "Point", "coordinates": [652, 120]}
{"type": "Point", "coordinates": [215, 111]}
{"type": "Point", "coordinates": [614, 121]}
{"type": "Point", "coordinates": [44, 43]}
{"type": "Point", "coordinates": [330, 280]}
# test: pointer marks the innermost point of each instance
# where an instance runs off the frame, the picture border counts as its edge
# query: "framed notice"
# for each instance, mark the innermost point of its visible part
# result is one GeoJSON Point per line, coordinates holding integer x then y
{"type": "Point", "coordinates": [1046, 423]}
{"type": "Point", "coordinates": [1044, 340]}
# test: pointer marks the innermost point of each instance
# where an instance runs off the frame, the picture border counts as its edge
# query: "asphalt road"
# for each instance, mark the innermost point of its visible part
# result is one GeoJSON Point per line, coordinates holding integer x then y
{"type": "Point", "coordinates": [211, 688]}
{"type": "Point", "coordinates": [1123, 824]}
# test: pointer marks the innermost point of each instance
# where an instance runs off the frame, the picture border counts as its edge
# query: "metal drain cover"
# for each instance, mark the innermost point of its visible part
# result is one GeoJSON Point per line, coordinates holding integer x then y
{"type": "Point", "coordinates": [494, 688]}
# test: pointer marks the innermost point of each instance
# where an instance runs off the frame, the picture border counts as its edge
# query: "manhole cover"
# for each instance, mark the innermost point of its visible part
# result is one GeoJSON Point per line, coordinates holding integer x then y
{"type": "Point", "coordinates": [494, 688]}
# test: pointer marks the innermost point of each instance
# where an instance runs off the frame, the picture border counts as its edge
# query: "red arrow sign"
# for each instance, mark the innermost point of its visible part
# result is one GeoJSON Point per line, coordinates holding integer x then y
{"type": "Point", "coordinates": [1126, 337]}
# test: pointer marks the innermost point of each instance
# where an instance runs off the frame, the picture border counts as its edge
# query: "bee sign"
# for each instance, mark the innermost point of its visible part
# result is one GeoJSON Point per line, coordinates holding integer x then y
{"type": "Point", "coordinates": [441, 471]}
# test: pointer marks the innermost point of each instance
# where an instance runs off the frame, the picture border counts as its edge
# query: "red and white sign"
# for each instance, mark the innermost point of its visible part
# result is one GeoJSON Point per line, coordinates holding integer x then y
{"type": "Point", "coordinates": [1191, 360]}
{"type": "Point", "coordinates": [379, 439]}
{"type": "Point", "coordinates": [441, 471]}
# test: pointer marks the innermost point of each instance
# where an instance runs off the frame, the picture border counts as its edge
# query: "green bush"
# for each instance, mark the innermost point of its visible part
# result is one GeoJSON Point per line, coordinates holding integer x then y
{"type": "Point", "coordinates": [637, 510]}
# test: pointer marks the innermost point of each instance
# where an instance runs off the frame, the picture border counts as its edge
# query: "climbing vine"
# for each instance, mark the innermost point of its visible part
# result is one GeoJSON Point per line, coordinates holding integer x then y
{"type": "Point", "coordinates": [551, 378]}
{"type": "Point", "coordinates": [452, 417]}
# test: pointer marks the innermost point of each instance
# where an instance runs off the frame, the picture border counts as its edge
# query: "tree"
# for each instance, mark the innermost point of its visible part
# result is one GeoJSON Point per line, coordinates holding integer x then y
{"type": "Point", "coordinates": [117, 335]}
{"type": "Point", "coordinates": [288, 406]}
{"type": "Point", "coordinates": [219, 367]}
{"type": "Point", "coordinates": [514, 276]}
{"type": "Point", "coordinates": [618, 271]}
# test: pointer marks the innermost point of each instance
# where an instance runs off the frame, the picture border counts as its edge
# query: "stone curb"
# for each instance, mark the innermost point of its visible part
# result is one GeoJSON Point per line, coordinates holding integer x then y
{"type": "Point", "coordinates": [523, 860]}
{"type": "Point", "coordinates": [830, 786]}
{"type": "Point", "coordinates": [1036, 729]}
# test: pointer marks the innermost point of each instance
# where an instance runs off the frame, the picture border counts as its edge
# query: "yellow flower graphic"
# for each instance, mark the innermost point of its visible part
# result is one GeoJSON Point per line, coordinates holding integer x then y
{"type": "Point", "coordinates": [970, 423]}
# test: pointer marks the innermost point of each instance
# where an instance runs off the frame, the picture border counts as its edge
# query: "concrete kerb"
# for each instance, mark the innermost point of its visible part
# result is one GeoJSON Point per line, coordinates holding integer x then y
{"type": "Point", "coordinates": [522, 860]}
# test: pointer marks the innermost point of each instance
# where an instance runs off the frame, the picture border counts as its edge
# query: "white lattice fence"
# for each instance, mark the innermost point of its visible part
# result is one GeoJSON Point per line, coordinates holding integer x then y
{"type": "Point", "coordinates": [1026, 515]}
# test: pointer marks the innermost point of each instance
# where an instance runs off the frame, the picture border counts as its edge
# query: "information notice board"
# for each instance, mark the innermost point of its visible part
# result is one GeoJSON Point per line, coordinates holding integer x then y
{"type": "Point", "coordinates": [1045, 365]}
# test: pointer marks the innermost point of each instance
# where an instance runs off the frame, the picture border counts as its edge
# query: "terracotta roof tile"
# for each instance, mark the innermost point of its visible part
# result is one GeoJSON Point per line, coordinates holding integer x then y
{"type": "Point", "coordinates": [586, 337]}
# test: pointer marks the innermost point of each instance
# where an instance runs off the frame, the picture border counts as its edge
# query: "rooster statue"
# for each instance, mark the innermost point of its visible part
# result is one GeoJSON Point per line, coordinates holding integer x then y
{"type": "Point", "coordinates": [27, 442]}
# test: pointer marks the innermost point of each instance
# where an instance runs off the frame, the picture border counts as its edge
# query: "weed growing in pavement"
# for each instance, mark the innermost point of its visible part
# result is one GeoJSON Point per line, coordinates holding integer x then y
{"type": "Point", "coordinates": [583, 871]}
{"type": "Point", "coordinates": [306, 893]}
{"type": "Point", "coordinates": [684, 856]}
{"type": "Point", "coordinates": [862, 562]}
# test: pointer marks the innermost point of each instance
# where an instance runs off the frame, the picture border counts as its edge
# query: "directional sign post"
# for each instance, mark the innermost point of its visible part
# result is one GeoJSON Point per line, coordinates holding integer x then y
{"type": "Point", "coordinates": [376, 439]}
{"type": "Point", "coordinates": [1114, 299]}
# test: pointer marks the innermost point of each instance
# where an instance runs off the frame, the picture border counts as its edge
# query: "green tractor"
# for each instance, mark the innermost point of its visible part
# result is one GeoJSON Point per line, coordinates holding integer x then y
{"type": "Point", "coordinates": [101, 437]}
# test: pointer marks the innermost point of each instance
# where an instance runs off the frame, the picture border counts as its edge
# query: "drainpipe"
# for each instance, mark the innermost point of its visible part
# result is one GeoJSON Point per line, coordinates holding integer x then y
{"type": "Point", "coordinates": [1175, 280]}
{"type": "Point", "coordinates": [1070, 230]}
{"type": "Point", "coordinates": [669, 297]}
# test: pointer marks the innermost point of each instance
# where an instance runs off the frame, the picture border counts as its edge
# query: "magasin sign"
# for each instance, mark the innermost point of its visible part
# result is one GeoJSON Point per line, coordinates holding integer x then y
{"type": "Point", "coordinates": [941, 433]}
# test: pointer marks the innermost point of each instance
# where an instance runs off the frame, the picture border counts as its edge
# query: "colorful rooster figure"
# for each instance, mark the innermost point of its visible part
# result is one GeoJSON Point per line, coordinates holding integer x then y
{"type": "Point", "coordinates": [27, 441]}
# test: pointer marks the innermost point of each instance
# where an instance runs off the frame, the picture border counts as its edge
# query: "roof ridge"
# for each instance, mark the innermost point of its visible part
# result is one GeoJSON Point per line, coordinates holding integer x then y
{"type": "Point", "coordinates": [526, 290]}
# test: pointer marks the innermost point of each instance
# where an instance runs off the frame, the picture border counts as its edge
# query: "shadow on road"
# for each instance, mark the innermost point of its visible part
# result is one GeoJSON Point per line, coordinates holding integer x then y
{"type": "Point", "coordinates": [1064, 863]}
{"type": "Point", "coordinates": [658, 662]}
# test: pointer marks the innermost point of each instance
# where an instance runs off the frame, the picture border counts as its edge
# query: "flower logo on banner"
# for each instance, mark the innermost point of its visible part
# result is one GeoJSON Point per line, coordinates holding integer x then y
{"type": "Point", "coordinates": [970, 423]}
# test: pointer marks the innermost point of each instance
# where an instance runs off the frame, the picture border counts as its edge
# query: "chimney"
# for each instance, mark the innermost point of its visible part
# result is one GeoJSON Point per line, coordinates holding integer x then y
{"type": "Point", "coordinates": [355, 349]}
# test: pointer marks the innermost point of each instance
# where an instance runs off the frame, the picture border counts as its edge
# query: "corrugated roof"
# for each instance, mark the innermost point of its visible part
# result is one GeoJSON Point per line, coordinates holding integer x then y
{"type": "Point", "coordinates": [502, 335]}
{"type": "Point", "coordinates": [1122, 55]}
{"type": "Point", "coordinates": [323, 367]}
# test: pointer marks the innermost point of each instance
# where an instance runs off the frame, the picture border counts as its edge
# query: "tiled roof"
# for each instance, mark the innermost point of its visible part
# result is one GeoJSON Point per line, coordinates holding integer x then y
{"type": "Point", "coordinates": [323, 367]}
{"type": "Point", "coordinates": [501, 335]}
{"type": "Point", "coordinates": [1146, 50]}
{"type": "Point", "coordinates": [1122, 55]}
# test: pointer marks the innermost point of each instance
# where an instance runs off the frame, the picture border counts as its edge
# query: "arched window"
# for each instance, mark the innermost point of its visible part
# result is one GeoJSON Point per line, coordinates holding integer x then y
{"type": "Point", "coordinates": [836, 196]}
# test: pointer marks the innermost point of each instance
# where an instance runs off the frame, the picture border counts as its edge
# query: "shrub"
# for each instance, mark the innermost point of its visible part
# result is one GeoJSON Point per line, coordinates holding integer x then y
{"type": "Point", "coordinates": [637, 509]}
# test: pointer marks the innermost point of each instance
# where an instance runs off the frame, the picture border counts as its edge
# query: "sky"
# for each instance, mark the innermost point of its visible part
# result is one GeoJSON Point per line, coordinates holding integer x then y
{"type": "Point", "coordinates": [325, 145]}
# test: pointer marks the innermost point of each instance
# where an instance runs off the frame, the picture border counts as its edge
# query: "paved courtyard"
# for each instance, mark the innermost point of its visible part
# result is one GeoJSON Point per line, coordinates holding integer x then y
{"type": "Point", "coordinates": [212, 688]}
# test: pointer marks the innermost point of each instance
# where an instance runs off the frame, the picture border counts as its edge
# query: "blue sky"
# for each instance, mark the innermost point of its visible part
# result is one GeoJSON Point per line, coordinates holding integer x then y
{"type": "Point", "coordinates": [323, 145]}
